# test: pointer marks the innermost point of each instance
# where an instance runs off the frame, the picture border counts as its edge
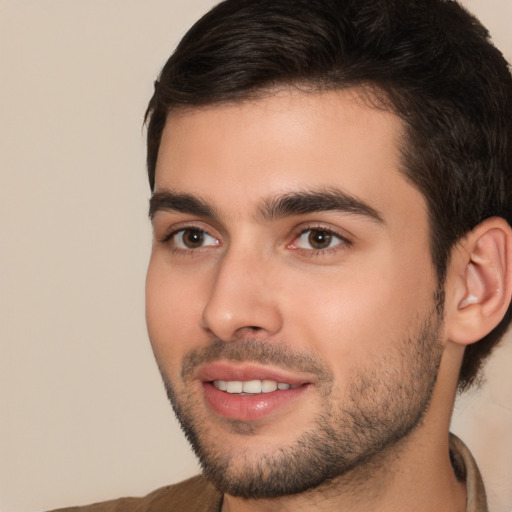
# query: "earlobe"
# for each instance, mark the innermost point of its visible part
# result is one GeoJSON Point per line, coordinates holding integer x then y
{"type": "Point", "coordinates": [485, 282]}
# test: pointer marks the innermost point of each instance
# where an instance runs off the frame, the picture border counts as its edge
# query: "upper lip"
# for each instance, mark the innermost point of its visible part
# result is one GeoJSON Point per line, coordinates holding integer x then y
{"type": "Point", "coordinates": [235, 371]}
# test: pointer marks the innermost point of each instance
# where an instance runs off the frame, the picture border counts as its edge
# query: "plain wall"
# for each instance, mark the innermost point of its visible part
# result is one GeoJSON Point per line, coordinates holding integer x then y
{"type": "Point", "coordinates": [83, 414]}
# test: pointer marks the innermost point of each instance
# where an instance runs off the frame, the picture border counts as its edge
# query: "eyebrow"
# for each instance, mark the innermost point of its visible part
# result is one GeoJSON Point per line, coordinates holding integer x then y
{"type": "Point", "coordinates": [183, 203]}
{"type": "Point", "coordinates": [314, 201]}
{"type": "Point", "coordinates": [284, 205]}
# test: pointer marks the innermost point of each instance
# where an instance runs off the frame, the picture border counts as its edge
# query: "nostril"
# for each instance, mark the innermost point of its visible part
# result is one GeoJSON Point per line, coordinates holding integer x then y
{"type": "Point", "coordinates": [248, 330]}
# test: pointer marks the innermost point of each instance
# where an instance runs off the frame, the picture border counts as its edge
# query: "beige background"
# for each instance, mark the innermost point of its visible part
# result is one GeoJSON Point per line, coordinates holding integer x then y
{"type": "Point", "coordinates": [83, 414]}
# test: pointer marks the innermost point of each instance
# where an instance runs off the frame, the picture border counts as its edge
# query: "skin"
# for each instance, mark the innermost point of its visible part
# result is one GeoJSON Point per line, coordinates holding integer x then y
{"type": "Point", "coordinates": [351, 306]}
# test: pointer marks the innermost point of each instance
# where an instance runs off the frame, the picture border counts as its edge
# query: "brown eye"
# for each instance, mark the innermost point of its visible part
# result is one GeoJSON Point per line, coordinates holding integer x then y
{"type": "Point", "coordinates": [319, 239]}
{"type": "Point", "coordinates": [193, 239]}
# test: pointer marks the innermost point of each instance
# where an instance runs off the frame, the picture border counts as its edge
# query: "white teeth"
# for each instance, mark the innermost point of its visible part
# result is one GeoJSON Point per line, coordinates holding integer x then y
{"type": "Point", "coordinates": [267, 386]}
{"type": "Point", "coordinates": [251, 387]}
{"type": "Point", "coordinates": [221, 384]}
{"type": "Point", "coordinates": [234, 386]}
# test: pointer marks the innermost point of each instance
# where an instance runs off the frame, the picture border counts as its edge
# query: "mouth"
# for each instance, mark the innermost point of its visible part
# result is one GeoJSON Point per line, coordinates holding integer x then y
{"type": "Point", "coordinates": [252, 387]}
{"type": "Point", "coordinates": [249, 392]}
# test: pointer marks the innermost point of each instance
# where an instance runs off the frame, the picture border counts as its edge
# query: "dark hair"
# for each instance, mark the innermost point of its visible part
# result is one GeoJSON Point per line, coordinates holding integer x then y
{"type": "Point", "coordinates": [428, 61]}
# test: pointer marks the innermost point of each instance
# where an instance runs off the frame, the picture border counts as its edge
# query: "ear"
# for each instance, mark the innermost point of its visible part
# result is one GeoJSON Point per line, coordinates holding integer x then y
{"type": "Point", "coordinates": [480, 277]}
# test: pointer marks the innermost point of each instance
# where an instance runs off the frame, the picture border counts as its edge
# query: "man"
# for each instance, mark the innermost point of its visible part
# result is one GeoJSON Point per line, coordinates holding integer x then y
{"type": "Point", "coordinates": [332, 251]}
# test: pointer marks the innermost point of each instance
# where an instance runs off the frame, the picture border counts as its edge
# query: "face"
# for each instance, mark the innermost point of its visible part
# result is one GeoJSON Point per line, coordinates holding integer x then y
{"type": "Point", "coordinates": [290, 293]}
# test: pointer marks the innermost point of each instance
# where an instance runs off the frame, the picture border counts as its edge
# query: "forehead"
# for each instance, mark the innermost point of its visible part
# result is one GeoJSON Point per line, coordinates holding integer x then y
{"type": "Point", "coordinates": [234, 155]}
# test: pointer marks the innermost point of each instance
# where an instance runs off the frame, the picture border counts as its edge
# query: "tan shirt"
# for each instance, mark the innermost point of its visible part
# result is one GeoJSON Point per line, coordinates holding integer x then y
{"type": "Point", "coordinates": [198, 495]}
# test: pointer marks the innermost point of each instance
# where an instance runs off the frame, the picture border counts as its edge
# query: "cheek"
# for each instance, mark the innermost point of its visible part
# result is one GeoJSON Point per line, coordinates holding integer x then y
{"type": "Point", "coordinates": [357, 312]}
{"type": "Point", "coordinates": [173, 312]}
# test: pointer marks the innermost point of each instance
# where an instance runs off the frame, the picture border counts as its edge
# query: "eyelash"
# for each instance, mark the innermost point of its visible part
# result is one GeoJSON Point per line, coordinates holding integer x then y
{"type": "Point", "coordinates": [167, 239]}
{"type": "Point", "coordinates": [343, 240]}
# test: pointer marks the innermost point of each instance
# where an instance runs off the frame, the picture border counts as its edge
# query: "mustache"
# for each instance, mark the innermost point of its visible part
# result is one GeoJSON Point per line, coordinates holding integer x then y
{"type": "Point", "coordinates": [255, 351]}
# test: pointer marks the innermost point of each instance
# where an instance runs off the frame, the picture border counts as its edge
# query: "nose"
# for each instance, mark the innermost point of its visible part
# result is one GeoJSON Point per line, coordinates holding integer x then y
{"type": "Point", "coordinates": [243, 298]}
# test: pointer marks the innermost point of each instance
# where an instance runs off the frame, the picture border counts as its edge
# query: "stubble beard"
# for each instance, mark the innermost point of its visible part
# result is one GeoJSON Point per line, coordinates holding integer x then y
{"type": "Point", "coordinates": [385, 401]}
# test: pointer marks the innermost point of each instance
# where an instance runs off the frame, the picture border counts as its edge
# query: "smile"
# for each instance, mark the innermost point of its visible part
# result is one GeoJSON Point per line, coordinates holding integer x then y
{"type": "Point", "coordinates": [246, 391]}
{"type": "Point", "coordinates": [251, 387]}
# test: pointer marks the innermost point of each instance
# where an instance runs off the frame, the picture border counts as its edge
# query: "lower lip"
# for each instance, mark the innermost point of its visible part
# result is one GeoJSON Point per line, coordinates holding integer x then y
{"type": "Point", "coordinates": [249, 407]}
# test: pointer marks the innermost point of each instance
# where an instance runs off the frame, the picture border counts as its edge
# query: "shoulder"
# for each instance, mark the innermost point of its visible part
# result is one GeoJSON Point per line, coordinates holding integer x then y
{"type": "Point", "coordinates": [466, 470]}
{"type": "Point", "coordinates": [193, 495]}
